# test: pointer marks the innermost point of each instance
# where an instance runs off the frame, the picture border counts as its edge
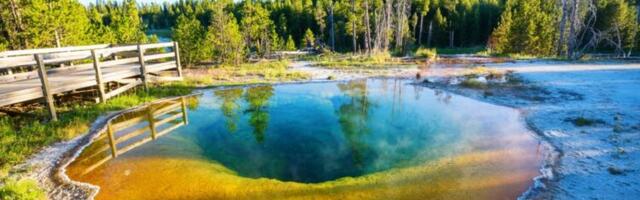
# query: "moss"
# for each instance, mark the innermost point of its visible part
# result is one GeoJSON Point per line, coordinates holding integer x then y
{"type": "Point", "coordinates": [21, 190]}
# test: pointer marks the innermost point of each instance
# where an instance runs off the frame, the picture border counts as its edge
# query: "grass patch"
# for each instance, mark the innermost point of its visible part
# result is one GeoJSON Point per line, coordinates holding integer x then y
{"type": "Point", "coordinates": [484, 71]}
{"type": "Point", "coordinates": [426, 53]}
{"type": "Point", "coordinates": [21, 190]}
{"type": "Point", "coordinates": [356, 61]}
{"type": "Point", "coordinates": [582, 121]}
{"type": "Point", "coordinates": [21, 136]}
{"type": "Point", "coordinates": [516, 56]}
{"type": "Point", "coordinates": [473, 83]}
{"type": "Point", "coordinates": [259, 72]}
{"type": "Point", "coordinates": [462, 50]}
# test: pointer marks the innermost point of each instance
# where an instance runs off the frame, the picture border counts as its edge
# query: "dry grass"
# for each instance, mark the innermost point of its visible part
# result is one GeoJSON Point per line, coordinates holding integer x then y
{"type": "Point", "coordinates": [359, 61]}
{"type": "Point", "coordinates": [260, 72]}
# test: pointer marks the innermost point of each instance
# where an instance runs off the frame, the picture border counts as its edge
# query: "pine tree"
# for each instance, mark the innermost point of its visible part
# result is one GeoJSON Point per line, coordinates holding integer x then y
{"type": "Point", "coordinates": [126, 24]}
{"type": "Point", "coordinates": [309, 39]}
{"type": "Point", "coordinates": [257, 27]}
{"type": "Point", "coordinates": [190, 34]}
{"type": "Point", "coordinates": [290, 45]}
{"type": "Point", "coordinates": [528, 27]}
{"type": "Point", "coordinates": [224, 39]}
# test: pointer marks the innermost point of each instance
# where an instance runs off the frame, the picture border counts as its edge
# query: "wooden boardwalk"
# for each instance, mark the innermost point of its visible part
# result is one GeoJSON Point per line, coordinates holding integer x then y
{"type": "Point", "coordinates": [40, 74]}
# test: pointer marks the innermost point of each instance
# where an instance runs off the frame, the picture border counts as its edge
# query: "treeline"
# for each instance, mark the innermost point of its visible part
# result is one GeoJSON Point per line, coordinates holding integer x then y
{"type": "Point", "coordinates": [339, 25]}
{"type": "Point", "coordinates": [226, 31]}
{"type": "Point", "coordinates": [55, 23]}
{"type": "Point", "coordinates": [568, 28]}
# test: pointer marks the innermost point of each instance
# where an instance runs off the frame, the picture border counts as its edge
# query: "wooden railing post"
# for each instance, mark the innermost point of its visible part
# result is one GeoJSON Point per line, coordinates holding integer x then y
{"type": "Point", "coordinates": [112, 140]}
{"type": "Point", "coordinates": [176, 51]}
{"type": "Point", "coordinates": [96, 67]}
{"type": "Point", "coordinates": [9, 71]}
{"type": "Point", "coordinates": [143, 68]}
{"type": "Point", "coordinates": [152, 122]}
{"type": "Point", "coordinates": [46, 89]}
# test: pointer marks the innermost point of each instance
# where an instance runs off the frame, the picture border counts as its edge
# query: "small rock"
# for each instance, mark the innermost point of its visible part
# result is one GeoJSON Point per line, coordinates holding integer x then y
{"type": "Point", "coordinates": [615, 171]}
{"type": "Point", "coordinates": [454, 81]}
{"type": "Point", "coordinates": [481, 79]}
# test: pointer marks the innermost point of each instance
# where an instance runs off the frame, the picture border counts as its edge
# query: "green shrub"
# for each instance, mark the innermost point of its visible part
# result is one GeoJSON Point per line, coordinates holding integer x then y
{"type": "Point", "coordinates": [473, 83]}
{"type": "Point", "coordinates": [21, 190]}
{"type": "Point", "coordinates": [582, 121]}
{"type": "Point", "coordinates": [426, 53]}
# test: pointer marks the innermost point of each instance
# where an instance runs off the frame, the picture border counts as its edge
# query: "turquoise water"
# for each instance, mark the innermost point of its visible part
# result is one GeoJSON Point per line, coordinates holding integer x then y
{"type": "Point", "coordinates": [320, 132]}
{"type": "Point", "coordinates": [317, 132]}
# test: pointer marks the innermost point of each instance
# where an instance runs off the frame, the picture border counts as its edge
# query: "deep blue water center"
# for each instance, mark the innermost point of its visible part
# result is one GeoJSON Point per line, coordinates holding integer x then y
{"type": "Point", "coordinates": [323, 131]}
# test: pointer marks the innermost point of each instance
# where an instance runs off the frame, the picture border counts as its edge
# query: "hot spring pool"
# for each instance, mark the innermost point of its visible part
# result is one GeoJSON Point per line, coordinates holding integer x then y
{"type": "Point", "coordinates": [361, 139]}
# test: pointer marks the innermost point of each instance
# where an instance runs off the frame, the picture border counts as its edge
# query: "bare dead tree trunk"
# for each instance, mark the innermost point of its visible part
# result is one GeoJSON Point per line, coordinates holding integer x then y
{"type": "Point", "coordinates": [398, 31]}
{"type": "Point", "coordinates": [367, 24]}
{"type": "Point", "coordinates": [353, 26]}
{"type": "Point", "coordinates": [430, 33]}
{"type": "Point", "coordinates": [378, 22]}
{"type": "Point", "coordinates": [56, 33]}
{"type": "Point", "coordinates": [451, 35]}
{"type": "Point", "coordinates": [563, 20]}
{"type": "Point", "coordinates": [420, 32]}
{"type": "Point", "coordinates": [388, 23]}
{"type": "Point", "coordinates": [573, 35]}
{"type": "Point", "coordinates": [383, 26]}
{"type": "Point", "coordinates": [619, 46]}
{"type": "Point", "coordinates": [19, 26]}
{"type": "Point", "coordinates": [588, 29]}
{"type": "Point", "coordinates": [332, 33]}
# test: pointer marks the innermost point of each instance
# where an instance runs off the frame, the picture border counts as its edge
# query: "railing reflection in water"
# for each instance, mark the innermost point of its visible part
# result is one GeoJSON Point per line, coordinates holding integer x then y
{"type": "Point", "coordinates": [133, 129]}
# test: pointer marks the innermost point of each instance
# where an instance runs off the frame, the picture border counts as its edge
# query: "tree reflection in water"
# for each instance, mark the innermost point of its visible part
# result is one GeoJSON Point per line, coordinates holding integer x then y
{"type": "Point", "coordinates": [230, 106]}
{"type": "Point", "coordinates": [258, 99]}
{"type": "Point", "coordinates": [353, 117]}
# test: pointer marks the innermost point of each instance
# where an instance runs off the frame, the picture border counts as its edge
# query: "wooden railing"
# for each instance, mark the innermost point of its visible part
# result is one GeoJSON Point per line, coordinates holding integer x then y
{"type": "Point", "coordinates": [134, 129]}
{"type": "Point", "coordinates": [27, 75]}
